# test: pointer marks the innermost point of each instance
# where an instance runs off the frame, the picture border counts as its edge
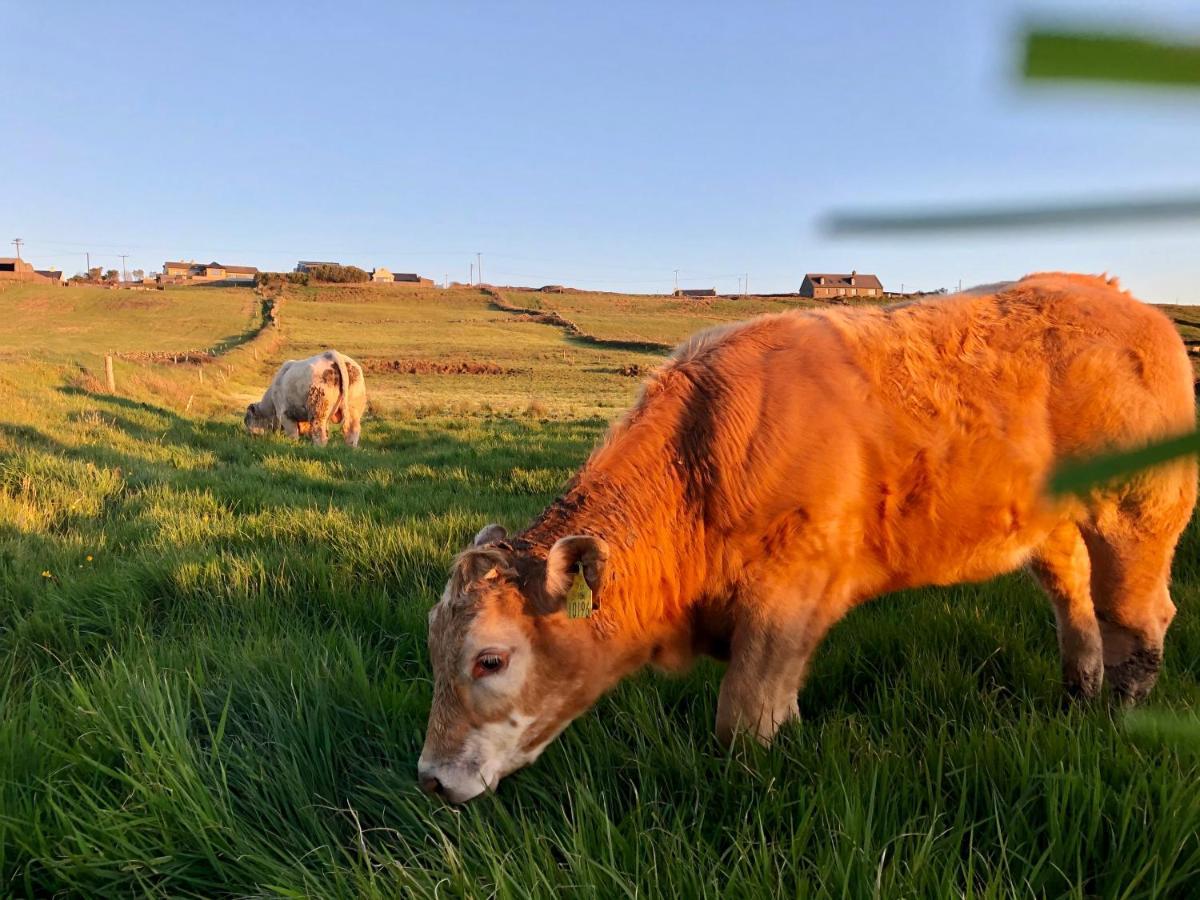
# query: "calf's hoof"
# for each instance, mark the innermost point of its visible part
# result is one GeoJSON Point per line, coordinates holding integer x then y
{"type": "Point", "coordinates": [1132, 678]}
{"type": "Point", "coordinates": [1083, 684]}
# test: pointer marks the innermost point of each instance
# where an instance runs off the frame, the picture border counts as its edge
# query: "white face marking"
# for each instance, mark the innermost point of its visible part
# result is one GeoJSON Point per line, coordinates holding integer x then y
{"type": "Point", "coordinates": [498, 747]}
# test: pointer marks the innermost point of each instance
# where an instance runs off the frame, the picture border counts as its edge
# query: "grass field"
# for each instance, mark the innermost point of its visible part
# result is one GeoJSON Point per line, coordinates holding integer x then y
{"type": "Point", "coordinates": [79, 324]}
{"type": "Point", "coordinates": [213, 672]}
{"type": "Point", "coordinates": [649, 318]}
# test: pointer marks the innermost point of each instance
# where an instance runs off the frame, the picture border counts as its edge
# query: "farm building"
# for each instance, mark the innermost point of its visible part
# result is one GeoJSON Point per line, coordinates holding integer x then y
{"type": "Point", "coordinates": [54, 275]}
{"type": "Point", "coordinates": [824, 287]}
{"type": "Point", "coordinates": [411, 278]}
{"type": "Point", "coordinates": [240, 273]}
{"type": "Point", "coordinates": [213, 271]}
{"type": "Point", "coordinates": [382, 275]}
{"type": "Point", "coordinates": [696, 292]}
{"type": "Point", "coordinates": [14, 268]}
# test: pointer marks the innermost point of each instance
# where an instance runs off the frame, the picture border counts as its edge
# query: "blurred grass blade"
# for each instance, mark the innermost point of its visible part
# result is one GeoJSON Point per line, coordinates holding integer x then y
{"type": "Point", "coordinates": [1165, 728]}
{"type": "Point", "coordinates": [1078, 476]}
{"type": "Point", "coordinates": [1099, 56]}
{"type": "Point", "coordinates": [1117, 211]}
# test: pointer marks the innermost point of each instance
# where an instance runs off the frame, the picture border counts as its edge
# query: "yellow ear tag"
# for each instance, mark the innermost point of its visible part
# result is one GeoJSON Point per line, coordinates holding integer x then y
{"type": "Point", "coordinates": [579, 596]}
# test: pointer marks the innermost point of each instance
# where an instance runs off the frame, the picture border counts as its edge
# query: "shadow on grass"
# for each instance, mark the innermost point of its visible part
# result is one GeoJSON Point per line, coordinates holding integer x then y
{"type": "Point", "coordinates": [405, 471]}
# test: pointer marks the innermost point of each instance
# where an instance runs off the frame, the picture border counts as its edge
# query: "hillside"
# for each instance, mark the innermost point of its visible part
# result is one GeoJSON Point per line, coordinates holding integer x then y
{"type": "Point", "coordinates": [80, 323]}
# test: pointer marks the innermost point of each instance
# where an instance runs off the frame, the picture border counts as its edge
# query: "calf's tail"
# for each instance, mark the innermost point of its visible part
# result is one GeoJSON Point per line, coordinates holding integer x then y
{"type": "Point", "coordinates": [343, 385]}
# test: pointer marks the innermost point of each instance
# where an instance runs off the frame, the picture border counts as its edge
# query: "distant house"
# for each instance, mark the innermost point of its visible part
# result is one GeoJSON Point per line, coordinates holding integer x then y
{"type": "Point", "coordinates": [305, 264]}
{"type": "Point", "coordinates": [825, 287]}
{"type": "Point", "coordinates": [382, 275]}
{"type": "Point", "coordinates": [213, 271]}
{"type": "Point", "coordinates": [14, 269]}
{"type": "Point", "coordinates": [54, 275]}
{"type": "Point", "coordinates": [696, 292]}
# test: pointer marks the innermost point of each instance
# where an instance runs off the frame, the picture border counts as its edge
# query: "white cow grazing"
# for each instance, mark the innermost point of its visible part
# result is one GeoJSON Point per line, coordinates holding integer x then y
{"type": "Point", "coordinates": [307, 394]}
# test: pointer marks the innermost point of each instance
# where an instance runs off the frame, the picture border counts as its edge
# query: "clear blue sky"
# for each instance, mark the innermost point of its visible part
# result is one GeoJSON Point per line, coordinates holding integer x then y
{"type": "Point", "coordinates": [600, 145]}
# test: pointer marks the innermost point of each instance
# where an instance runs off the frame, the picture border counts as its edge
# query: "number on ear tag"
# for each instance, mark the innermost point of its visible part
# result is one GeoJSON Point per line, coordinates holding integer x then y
{"type": "Point", "coordinates": [579, 596]}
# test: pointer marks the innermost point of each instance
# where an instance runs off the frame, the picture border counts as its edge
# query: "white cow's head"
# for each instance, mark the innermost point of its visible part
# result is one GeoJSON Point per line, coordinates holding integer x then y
{"type": "Point", "coordinates": [257, 420]}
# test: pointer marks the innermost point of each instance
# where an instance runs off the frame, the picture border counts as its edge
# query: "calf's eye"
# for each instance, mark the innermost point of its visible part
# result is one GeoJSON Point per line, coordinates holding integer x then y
{"type": "Point", "coordinates": [490, 662]}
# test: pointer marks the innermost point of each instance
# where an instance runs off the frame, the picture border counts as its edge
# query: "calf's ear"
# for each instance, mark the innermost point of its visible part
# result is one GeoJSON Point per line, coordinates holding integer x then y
{"type": "Point", "coordinates": [565, 559]}
{"type": "Point", "coordinates": [490, 534]}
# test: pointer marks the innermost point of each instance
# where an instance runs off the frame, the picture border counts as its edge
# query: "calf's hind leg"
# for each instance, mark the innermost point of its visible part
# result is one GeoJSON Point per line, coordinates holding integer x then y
{"type": "Point", "coordinates": [351, 429]}
{"type": "Point", "coordinates": [1063, 568]}
{"type": "Point", "coordinates": [319, 408]}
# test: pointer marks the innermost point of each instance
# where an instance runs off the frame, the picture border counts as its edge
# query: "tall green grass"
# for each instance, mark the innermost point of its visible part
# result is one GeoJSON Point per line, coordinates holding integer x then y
{"type": "Point", "coordinates": [213, 681]}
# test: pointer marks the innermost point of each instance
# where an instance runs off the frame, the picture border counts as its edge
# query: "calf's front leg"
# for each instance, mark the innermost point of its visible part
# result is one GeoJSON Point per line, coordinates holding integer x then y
{"type": "Point", "coordinates": [769, 656]}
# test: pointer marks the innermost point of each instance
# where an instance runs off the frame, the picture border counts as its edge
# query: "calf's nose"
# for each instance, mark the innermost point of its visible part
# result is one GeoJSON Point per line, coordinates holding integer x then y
{"type": "Point", "coordinates": [430, 783]}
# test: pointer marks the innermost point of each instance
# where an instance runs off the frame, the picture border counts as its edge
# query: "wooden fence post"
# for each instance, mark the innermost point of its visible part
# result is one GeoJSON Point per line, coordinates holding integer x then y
{"type": "Point", "coordinates": [109, 377]}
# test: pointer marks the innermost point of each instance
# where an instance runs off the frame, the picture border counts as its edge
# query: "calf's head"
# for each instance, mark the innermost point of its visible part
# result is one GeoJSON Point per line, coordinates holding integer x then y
{"type": "Point", "coordinates": [510, 668]}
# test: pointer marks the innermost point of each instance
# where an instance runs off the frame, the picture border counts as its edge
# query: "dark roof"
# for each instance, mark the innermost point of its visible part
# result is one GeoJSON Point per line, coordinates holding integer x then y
{"type": "Point", "coordinates": [49, 273]}
{"type": "Point", "coordinates": [186, 265]}
{"type": "Point", "coordinates": [843, 280]}
{"type": "Point", "coordinates": [405, 276]}
{"type": "Point", "coordinates": [697, 292]}
{"type": "Point", "coordinates": [247, 270]}
{"type": "Point", "coordinates": [309, 262]}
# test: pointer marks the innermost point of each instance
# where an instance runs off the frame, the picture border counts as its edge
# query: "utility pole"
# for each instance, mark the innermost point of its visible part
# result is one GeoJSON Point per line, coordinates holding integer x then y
{"type": "Point", "coordinates": [746, 285]}
{"type": "Point", "coordinates": [676, 279]}
{"type": "Point", "coordinates": [88, 254]}
{"type": "Point", "coordinates": [17, 242]}
{"type": "Point", "coordinates": [446, 280]}
{"type": "Point", "coordinates": [471, 277]}
{"type": "Point", "coordinates": [124, 275]}
{"type": "Point", "coordinates": [479, 266]}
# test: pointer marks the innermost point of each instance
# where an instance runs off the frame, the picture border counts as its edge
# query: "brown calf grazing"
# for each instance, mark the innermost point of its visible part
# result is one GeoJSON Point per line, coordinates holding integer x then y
{"type": "Point", "coordinates": [778, 472]}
